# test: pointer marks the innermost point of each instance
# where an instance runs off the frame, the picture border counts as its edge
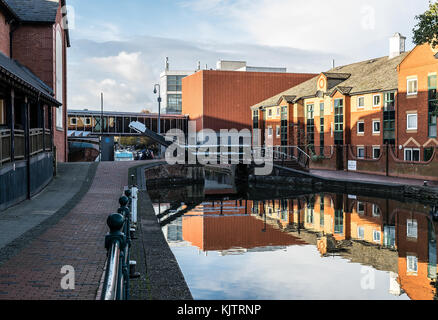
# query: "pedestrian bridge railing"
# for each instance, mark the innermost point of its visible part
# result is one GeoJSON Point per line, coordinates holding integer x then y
{"type": "Point", "coordinates": [119, 268]}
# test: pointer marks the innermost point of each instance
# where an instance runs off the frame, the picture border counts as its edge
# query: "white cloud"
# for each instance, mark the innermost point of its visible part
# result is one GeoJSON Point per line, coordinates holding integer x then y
{"type": "Point", "coordinates": [341, 26]}
{"type": "Point", "coordinates": [127, 70]}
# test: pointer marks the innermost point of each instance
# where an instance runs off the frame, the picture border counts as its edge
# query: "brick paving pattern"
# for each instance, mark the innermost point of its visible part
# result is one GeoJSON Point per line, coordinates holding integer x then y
{"type": "Point", "coordinates": [76, 240]}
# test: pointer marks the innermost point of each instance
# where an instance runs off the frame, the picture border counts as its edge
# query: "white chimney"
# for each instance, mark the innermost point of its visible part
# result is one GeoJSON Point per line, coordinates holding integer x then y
{"type": "Point", "coordinates": [397, 45]}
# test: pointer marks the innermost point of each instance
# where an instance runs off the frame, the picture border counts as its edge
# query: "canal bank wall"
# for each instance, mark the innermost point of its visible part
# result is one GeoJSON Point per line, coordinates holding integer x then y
{"type": "Point", "coordinates": [290, 178]}
{"type": "Point", "coordinates": [161, 277]}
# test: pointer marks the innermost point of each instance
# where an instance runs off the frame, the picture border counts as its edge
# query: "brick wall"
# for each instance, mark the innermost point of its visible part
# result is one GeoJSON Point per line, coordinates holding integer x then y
{"type": "Point", "coordinates": [420, 63]}
{"type": "Point", "coordinates": [33, 46]}
{"type": "Point", "coordinates": [4, 35]}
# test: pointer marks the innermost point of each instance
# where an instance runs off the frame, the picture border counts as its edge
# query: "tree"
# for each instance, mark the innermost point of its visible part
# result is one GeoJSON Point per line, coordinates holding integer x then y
{"type": "Point", "coordinates": [145, 111]}
{"type": "Point", "coordinates": [426, 30]}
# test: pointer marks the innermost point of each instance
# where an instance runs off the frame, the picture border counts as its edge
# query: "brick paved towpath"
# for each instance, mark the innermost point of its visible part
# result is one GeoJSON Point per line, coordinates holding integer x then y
{"type": "Point", "coordinates": [76, 239]}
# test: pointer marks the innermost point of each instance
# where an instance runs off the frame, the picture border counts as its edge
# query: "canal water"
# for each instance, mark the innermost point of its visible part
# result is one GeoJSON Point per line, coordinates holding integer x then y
{"type": "Point", "coordinates": [235, 243]}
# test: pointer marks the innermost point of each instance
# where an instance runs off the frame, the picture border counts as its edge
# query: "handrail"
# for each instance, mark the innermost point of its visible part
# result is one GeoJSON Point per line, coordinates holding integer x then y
{"type": "Point", "coordinates": [118, 244]}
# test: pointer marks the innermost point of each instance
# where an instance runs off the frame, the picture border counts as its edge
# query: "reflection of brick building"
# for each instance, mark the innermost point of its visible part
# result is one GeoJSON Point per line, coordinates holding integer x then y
{"type": "Point", "coordinates": [209, 231]}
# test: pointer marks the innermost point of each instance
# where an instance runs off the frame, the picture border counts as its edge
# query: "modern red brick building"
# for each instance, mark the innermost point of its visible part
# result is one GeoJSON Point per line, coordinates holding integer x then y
{"type": "Point", "coordinates": [33, 95]}
{"type": "Point", "coordinates": [218, 99]}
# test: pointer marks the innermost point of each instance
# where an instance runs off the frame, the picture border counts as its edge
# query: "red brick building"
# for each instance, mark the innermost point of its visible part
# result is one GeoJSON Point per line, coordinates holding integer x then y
{"type": "Point", "coordinates": [221, 99]}
{"type": "Point", "coordinates": [418, 104]}
{"type": "Point", "coordinates": [33, 95]}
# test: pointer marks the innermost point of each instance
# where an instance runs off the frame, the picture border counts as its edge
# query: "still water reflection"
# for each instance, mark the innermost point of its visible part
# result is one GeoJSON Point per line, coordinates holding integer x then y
{"type": "Point", "coordinates": [231, 245]}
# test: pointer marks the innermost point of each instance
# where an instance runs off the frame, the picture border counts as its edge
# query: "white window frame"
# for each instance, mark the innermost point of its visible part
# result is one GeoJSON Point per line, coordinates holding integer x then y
{"type": "Point", "coordinates": [278, 131]}
{"type": "Point", "coordinates": [87, 121]}
{"type": "Point", "coordinates": [73, 121]}
{"type": "Point", "coordinates": [376, 213]}
{"type": "Point", "coordinates": [411, 264]}
{"type": "Point", "coordinates": [278, 111]}
{"type": "Point", "coordinates": [409, 115]}
{"type": "Point", "coordinates": [374, 100]}
{"type": "Point", "coordinates": [409, 80]}
{"type": "Point", "coordinates": [270, 113]}
{"type": "Point", "coordinates": [358, 102]}
{"type": "Point", "coordinates": [376, 148]}
{"type": "Point", "coordinates": [361, 122]}
{"type": "Point", "coordinates": [358, 156]}
{"type": "Point", "coordinates": [412, 154]}
{"type": "Point", "coordinates": [380, 127]}
{"type": "Point", "coordinates": [375, 239]}
{"type": "Point", "coordinates": [270, 131]}
{"type": "Point", "coordinates": [361, 235]}
{"type": "Point", "coordinates": [412, 228]}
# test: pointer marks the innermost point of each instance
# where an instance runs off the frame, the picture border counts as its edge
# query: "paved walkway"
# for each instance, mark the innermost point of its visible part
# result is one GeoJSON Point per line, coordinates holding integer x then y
{"type": "Point", "coordinates": [360, 177]}
{"type": "Point", "coordinates": [76, 239]}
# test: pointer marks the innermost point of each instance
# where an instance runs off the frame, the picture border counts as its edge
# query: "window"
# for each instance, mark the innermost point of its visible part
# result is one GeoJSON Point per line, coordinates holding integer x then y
{"type": "Point", "coordinates": [412, 121]}
{"type": "Point", "coordinates": [361, 233]}
{"type": "Point", "coordinates": [310, 111]}
{"type": "Point", "coordinates": [270, 113]}
{"type": "Point", "coordinates": [270, 131]}
{"type": "Point", "coordinates": [361, 102]}
{"type": "Point", "coordinates": [361, 152]}
{"type": "Point", "coordinates": [174, 83]}
{"type": "Point", "coordinates": [278, 112]}
{"type": "Point", "coordinates": [412, 155]}
{"type": "Point", "coordinates": [278, 131]}
{"type": "Point", "coordinates": [339, 121]}
{"type": "Point", "coordinates": [412, 229]}
{"type": "Point", "coordinates": [376, 152]}
{"type": "Point", "coordinates": [377, 236]}
{"type": "Point", "coordinates": [59, 78]}
{"type": "Point", "coordinates": [376, 210]}
{"type": "Point", "coordinates": [412, 87]}
{"type": "Point", "coordinates": [389, 118]}
{"type": "Point", "coordinates": [87, 121]}
{"type": "Point", "coordinates": [376, 126]}
{"type": "Point", "coordinates": [174, 103]}
{"type": "Point", "coordinates": [376, 100]}
{"type": "Point", "coordinates": [360, 207]}
{"type": "Point", "coordinates": [360, 127]}
{"type": "Point", "coordinates": [412, 264]}
{"type": "Point", "coordinates": [73, 121]}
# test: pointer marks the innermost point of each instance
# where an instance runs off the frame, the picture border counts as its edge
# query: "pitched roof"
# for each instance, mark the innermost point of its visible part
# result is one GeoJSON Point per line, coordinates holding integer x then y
{"type": "Point", "coordinates": [39, 11]}
{"type": "Point", "coordinates": [17, 72]}
{"type": "Point", "coordinates": [371, 75]}
{"type": "Point", "coordinates": [35, 10]}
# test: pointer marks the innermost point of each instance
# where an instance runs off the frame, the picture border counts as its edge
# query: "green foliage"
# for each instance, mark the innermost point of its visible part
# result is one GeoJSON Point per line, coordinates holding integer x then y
{"type": "Point", "coordinates": [426, 30]}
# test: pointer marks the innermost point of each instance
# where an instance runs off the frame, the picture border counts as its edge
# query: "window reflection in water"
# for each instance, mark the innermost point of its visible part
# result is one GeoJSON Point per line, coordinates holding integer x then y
{"type": "Point", "coordinates": [395, 238]}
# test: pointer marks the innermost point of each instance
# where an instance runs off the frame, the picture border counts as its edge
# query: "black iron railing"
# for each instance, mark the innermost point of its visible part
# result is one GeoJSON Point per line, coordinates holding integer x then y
{"type": "Point", "coordinates": [120, 269]}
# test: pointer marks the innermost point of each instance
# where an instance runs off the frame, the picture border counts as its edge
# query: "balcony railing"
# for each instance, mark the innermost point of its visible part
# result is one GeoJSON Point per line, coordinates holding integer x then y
{"type": "Point", "coordinates": [36, 141]}
{"type": "Point", "coordinates": [20, 145]}
{"type": "Point", "coordinates": [5, 146]}
{"type": "Point", "coordinates": [48, 140]}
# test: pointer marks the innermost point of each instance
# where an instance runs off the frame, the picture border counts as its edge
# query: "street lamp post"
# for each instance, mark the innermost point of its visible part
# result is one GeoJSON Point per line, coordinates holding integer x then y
{"type": "Point", "coordinates": [159, 112]}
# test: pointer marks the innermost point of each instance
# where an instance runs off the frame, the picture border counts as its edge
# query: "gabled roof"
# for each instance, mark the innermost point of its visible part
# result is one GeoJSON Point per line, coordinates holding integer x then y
{"type": "Point", "coordinates": [20, 74]}
{"type": "Point", "coordinates": [288, 99]}
{"type": "Point", "coordinates": [5, 6]}
{"type": "Point", "coordinates": [336, 75]}
{"type": "Point", "coordinates": [35, 10]}
{"type": "Point", "coordinates": [366, 76]}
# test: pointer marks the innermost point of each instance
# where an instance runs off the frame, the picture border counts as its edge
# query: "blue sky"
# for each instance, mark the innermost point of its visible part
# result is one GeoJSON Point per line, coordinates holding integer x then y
{"type": "Point", "coordinates": [119, 47]}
